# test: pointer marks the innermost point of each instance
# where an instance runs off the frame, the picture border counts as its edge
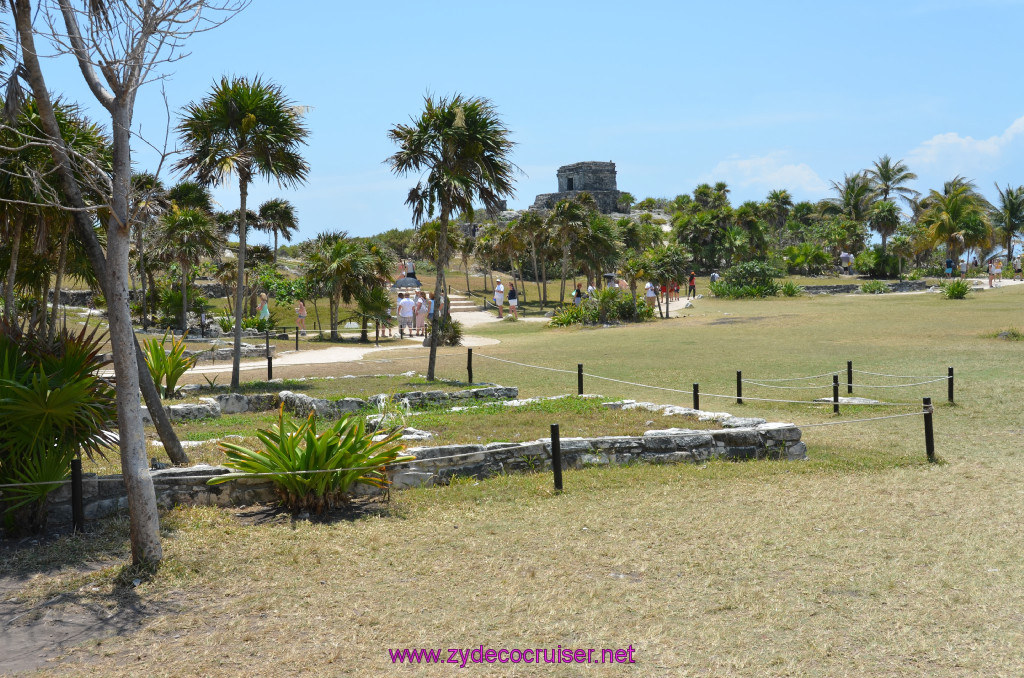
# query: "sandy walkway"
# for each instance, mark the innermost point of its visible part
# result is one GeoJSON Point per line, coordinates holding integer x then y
{"type": "Point", "coordinates": [336, 354]}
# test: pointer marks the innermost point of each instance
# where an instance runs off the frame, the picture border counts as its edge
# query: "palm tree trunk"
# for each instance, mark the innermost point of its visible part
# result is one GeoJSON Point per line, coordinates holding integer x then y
{"type": "Point", "coordinates": [236, 359]}
{"type": "Point", "coordinates": [364, 334]}
{"type": "Point", "coordinates": [544, 275]}
{"type": "Point", "coordinates": [142, 272]}
{"type": "Point", "coordinates": [536, 277]}
{"type": "Point", "coordinates": [61, 262]}
{"type": "Point", "coordinates": [565, 272]}
{"type": "Point", "coordinates": [466, 264]}
{"type": "Point", "coordinates": [439, 286]}
{"type": "Point", "coordinates": [275, 249]}
{"type": "Point", "coordinates": [184, 299]}
{"type": "Point", "coordinates": [12, 269]}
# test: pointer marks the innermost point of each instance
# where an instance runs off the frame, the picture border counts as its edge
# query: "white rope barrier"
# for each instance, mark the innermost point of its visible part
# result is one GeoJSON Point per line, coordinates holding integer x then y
{"type": "Point", "coordinates": [857, 421]}
{"type": "Point", "coordinates": [813, 386]}
{"type": "Point", "coordinates": [903, 376]}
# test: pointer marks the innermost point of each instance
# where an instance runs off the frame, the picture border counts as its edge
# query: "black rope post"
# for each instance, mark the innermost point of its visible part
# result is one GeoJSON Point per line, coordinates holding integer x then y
{"type": "Point", "coordinates": [739, 387]}
{"type": "Point", "coordinates": [469, 364]}
{"type": "Point", "coordinates": [270, 359]}
{"type": "Point", "coordinates": [949, 385]}
{"type": "Point", "coordinates": [696, 396]}
{"type": "Point", "coordinates": [579, 378]}
{"type": "Point", "coordinates": [77, 510]}
{"type": "Point", "coordinates": [929, 433]}
{"type": "Point", "coordinates": [556, 457]}
{"type": "Point", "coordinates": [835, 394]}
{"type": "Point", "coordinates": [849, 376]}
{"type": "Point", "coordinates": [296, 337]}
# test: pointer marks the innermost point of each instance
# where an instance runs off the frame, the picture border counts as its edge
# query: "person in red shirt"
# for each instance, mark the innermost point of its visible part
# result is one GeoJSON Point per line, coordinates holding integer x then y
{"type": "Point", "coordinates": [692, 285]}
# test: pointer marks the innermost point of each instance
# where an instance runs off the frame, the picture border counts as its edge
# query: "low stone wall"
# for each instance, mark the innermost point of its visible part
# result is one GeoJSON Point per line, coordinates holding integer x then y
{"type": "Point", "coordinates": [905, 286]}
{"type": "Point", "coordinates": [766, 441]}
{"type": "Point", "coordinates": [104, 496]}
{"type": "Point", "coordinates": [301, 405]}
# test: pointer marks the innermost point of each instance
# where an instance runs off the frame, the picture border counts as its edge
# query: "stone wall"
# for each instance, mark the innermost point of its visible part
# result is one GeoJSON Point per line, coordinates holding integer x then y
{"type": "Point", "coordinates": [83, 298]}
{"type": "Point", "coordinates": [596, 178]}
{"type": "Point", "coordinates": [105, 495]}
{"type": "Point", "coordinates": [905, 286]}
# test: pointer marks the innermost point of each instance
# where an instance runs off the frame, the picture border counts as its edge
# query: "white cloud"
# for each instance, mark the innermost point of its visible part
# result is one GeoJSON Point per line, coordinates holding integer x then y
{"type": "Point", "coordinates": [767, 171]}
{"type": "Point", "coordinates": [956, 153]}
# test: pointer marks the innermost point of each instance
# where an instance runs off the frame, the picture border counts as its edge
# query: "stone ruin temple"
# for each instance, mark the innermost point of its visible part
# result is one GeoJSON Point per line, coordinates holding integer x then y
{"type": "Point", "coordinates": [596, 178]}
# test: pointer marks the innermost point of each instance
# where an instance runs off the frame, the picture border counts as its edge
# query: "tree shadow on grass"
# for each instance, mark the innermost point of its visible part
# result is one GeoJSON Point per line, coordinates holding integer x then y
{"type": "Point", "coordinates": [275, 514]}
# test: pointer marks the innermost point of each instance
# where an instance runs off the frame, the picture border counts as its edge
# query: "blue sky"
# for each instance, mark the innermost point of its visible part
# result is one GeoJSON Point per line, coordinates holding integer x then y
{"type": "Point", "coordinates": [760, 95]}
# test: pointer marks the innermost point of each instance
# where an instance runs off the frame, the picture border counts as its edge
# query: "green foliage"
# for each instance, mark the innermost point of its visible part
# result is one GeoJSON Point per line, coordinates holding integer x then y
{"type": "Point", "coordinates": [876, 264]}
{"type": "Point", "coordinates": [1009, 334]}
{"type": "Point", "coordinates": [571, 314]}
{"type": "Point", "coordinates": [955, 289]}
{"type": "Point", "coordinates": [345, 455]}
{"type": "Point", "coordinates": [451, 332]}
{"type": "Point", "coordinates": [806, 258]}
{"type": "Point", "coordinates": [170, 302]}
{"type": "Point", "coordinates": [731, 291]}
{"type": "Point", "coordinates": [751, 274]}
{"type": "Point", "coordinates": [791, 289]}
{"type": "Point", "coordinates": [167, 367]}
{"type": "Point", "coordinates": [53, 405]}
{"type": "Point", "coordinates": [875, 287]}
{"type": "Point", "coordinates": [253, 322]}
{"type": "Point", "coordinates": [609, 305]}
{"type": "Point", "coordinates": [227, 323]}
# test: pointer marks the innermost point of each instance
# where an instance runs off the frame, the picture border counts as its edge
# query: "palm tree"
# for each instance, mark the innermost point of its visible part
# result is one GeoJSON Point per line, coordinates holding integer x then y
{"type": "Point", "coordinates": [278, 217]}
{"type": "Point", "coordinates": [885, 219]}
{"type": "Point", "coordinates": [147, 201]}
{"type": "Point", "coordinates": [185, 236]}
{"type": "Point", "coordinates": [854, 197]}
{"type": "Point", "coordinates": [568, 221]}
{"type": "Point", "coordinates": [187, 193]}
{"type": "Point", "coordinates": [246, 129]}
{"type": "Point", "coordinates": [460, 147]}
{"type": "Point", "coordinates": [1008, 217]}
{"type": "Point", "coordinates": [956, 219]}
{"type": "Point", "coordinates": [889, 177]}
{"type": "Point", "coordinates": [777, 207]}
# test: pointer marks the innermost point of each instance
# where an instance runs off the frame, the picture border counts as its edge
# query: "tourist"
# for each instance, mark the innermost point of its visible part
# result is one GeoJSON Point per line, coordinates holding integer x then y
{"type": "Point", "coordinates": [420, 314]}
{"type": "Point", "coordinates": [513, 300]}
{"type": "Point", "coordinates": [430, 308]}
{"type": "Point", "coordinates": [499, 296]}
{"type": "Point", "coordinates": [963, 269]}
{"type": "Point", "coordinates": [991, 272]}
{"type": "Point", "coordinates": [949, 267]}
{"type": "Point", "coordinates": [577, 295]}
{"type": "Point", "coordinates": [691, 285]}
{"type": "Point", "coordinates": [715, 277]}
{"type": "Point", "coordinates": [649, 294]}
{"type": "Point", "coordinates": [999, 272]}
{"type": "Point", "coordinates": [844, 261]}
{"type": "Point", "coordinates": [590, 291]}
{"type": "Point", "coordinates": [264, 309]}
{"type": "Point", "coordinates": [623, 285]}
{"type": "Point", "coordinates": [406, 314]}
{"type": "Point", "coordinates": [410, 269]}
{"type": "Point", "coordinates": [1016, 268]}
{"type": "Point", "coordinates": [300, 316]}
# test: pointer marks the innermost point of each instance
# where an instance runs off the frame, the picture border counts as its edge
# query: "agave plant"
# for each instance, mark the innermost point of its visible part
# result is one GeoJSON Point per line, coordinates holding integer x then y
{"type": "Point", "coordinates": [316, 470]}
{"type": "Point", "coordinates": [54, 405]}
{"type": "Point", "coordinates": [167, 367]}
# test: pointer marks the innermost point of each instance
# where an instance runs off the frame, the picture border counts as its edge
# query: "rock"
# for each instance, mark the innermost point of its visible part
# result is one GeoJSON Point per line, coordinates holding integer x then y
{"type": "Point", "coordinates": [206, 408]}
{"type": "Point", "coordinates": [742, 422]}
{"type": "Point", "coordinates": [688, 304]}
{"type": "Point", "coordinates": [147, 418]}
{"type": "Point", "coordinates": [232, 403]}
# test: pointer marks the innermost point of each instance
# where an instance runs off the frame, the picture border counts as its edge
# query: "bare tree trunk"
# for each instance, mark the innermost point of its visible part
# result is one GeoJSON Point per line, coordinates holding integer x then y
{"type": "Point", "coordinates": [565, 273]}
{"type": "Point", "coordinates": [142, 272]}
{"type": "Point", "coordinates": [112, 272]}
{"type": "Point", "coordinates": [536, 277]}
{"type": "Point", "coordinates": [12, 269]}
{"type": "Point", "coordinates": [184, 299]}
{"type": "Point", "coordinates": [61, 262]}
{"type": "Point", "coordinates": [439, 287]}
{"type": "Point", "coordinates": [236, 359]}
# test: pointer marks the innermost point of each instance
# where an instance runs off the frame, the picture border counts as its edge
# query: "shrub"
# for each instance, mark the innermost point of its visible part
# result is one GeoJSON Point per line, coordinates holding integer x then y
{"type": "Point", "coordinates": [731, 291]}
{"type": "Point", "coordinates": [751, 273]}
{"type": "Point", "coordinates": [451, 332]}
{"type": "Point", "coordinates": [955, 289]}
{"type": "Point", "coordinates": [345, 454]}
{"type": "Point", "coordinates": [227, 323]}
{"type": "Point", "coordinates": [1009, 334]}
{"type": "Point", "coordinates": [791, 289]}
{"type": "Point", "coordinates": [167, 366]}
{"type": "Point", "coordinates": [53, 405]}
{"type": "Point", "coordinates": [877, 265]}
{"type": "Point", "coordinates": [874, 287]}
{"type": "Point", "coordinates": [806, 258]}
{"type": "Point", "coordinates": [571, 314]}
{"type": "Point", "coordinates": [253, 322]}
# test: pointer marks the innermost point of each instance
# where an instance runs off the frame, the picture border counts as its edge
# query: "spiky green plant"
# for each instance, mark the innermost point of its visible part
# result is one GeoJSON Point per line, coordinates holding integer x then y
{"type": "Point", "coordinates": [167, 367]}
{"type": "Point", "coordinates": [332, 462]}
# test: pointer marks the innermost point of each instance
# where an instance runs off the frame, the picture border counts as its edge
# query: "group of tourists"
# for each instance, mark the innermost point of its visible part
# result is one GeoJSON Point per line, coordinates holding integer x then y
{"type": "Point", "coordinates": [670, 291]}
{"type": "Point", "coordinates": [994, 268]}
{"type": "Point", "coordinates": [413, 310]}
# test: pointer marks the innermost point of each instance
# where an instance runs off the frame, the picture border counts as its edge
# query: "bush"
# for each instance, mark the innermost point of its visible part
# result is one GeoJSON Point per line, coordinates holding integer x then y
{"type": "Point", "coordinates": [806, 258]}
{"type": "Point", "coordinates": [227, 323]}
{"type": "Point", "coordinates": [751, 274]}
{"type": "Point", "coordinates": [346, 454]}
{"type": "Point", "coordinates": [170, 302]}
{"type": "Point", "coordinates": [875, 287]}
{"type": "Point", "coordinates": [877, 265]}
{"type": "Point", "coordinates": [53, 405]}
{"type": "Point", "coordinates": [571, 314]}
{"type": "Point", "coordinates": [451, 332]}
{"type": "Point", "coordinates": [955, 289]}
{"type": "Point", "coordinates": [731, 291]}
{"type": "Point", "coordinates": [791, 289]}
{"type": "Point", "coordinates": [167, 366]}
{"type": "Point", "coordinates": [253, 322]}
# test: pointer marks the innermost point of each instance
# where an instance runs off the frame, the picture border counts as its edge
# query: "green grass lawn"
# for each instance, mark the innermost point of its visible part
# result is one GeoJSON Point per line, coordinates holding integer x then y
{"type": "Point", "coordinates": [863, 561]}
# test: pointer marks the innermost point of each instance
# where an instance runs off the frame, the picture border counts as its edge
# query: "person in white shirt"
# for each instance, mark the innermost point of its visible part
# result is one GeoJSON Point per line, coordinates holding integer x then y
{"type": "Point", "coordinates": [963, 269]}
{"type": "Point", "coordinates": [1016, 268]}
{"type": "Point", "coordinates": [499, 296]}
{"type": "Point", "coordinates": [649, 294]}
{"type": "Point", "coordinates": [590, 291]}
{"type": "Point", "coordinates": [406, 312]}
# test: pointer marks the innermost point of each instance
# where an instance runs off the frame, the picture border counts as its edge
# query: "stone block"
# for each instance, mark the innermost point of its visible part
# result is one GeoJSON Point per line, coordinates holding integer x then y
{"type": "Point", "coordinates": [406, 478]}
{"type": "Point", "coordinates": [594, 459]}
{"type": "Point", "coordinates": [232, 403]}
{"type": "Point", "coordinates": [348, 405]}
{"type": "Point", "coordinates": [737, 437]}
{"type": "Point", "coordinates": [780, 431]}
{"type": "Point", "coordinates": [667, 457]}
{"type": "Point", "coordinates": [796, 451]}
{"type": "Point", "coordinates": [100, 509]}
{"type": "Point", "coordinates": [616, 442]}
{"type": "Point", "coordinates": [743, 422]}
{"type": "Point", "coordinates": [263, 402]}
